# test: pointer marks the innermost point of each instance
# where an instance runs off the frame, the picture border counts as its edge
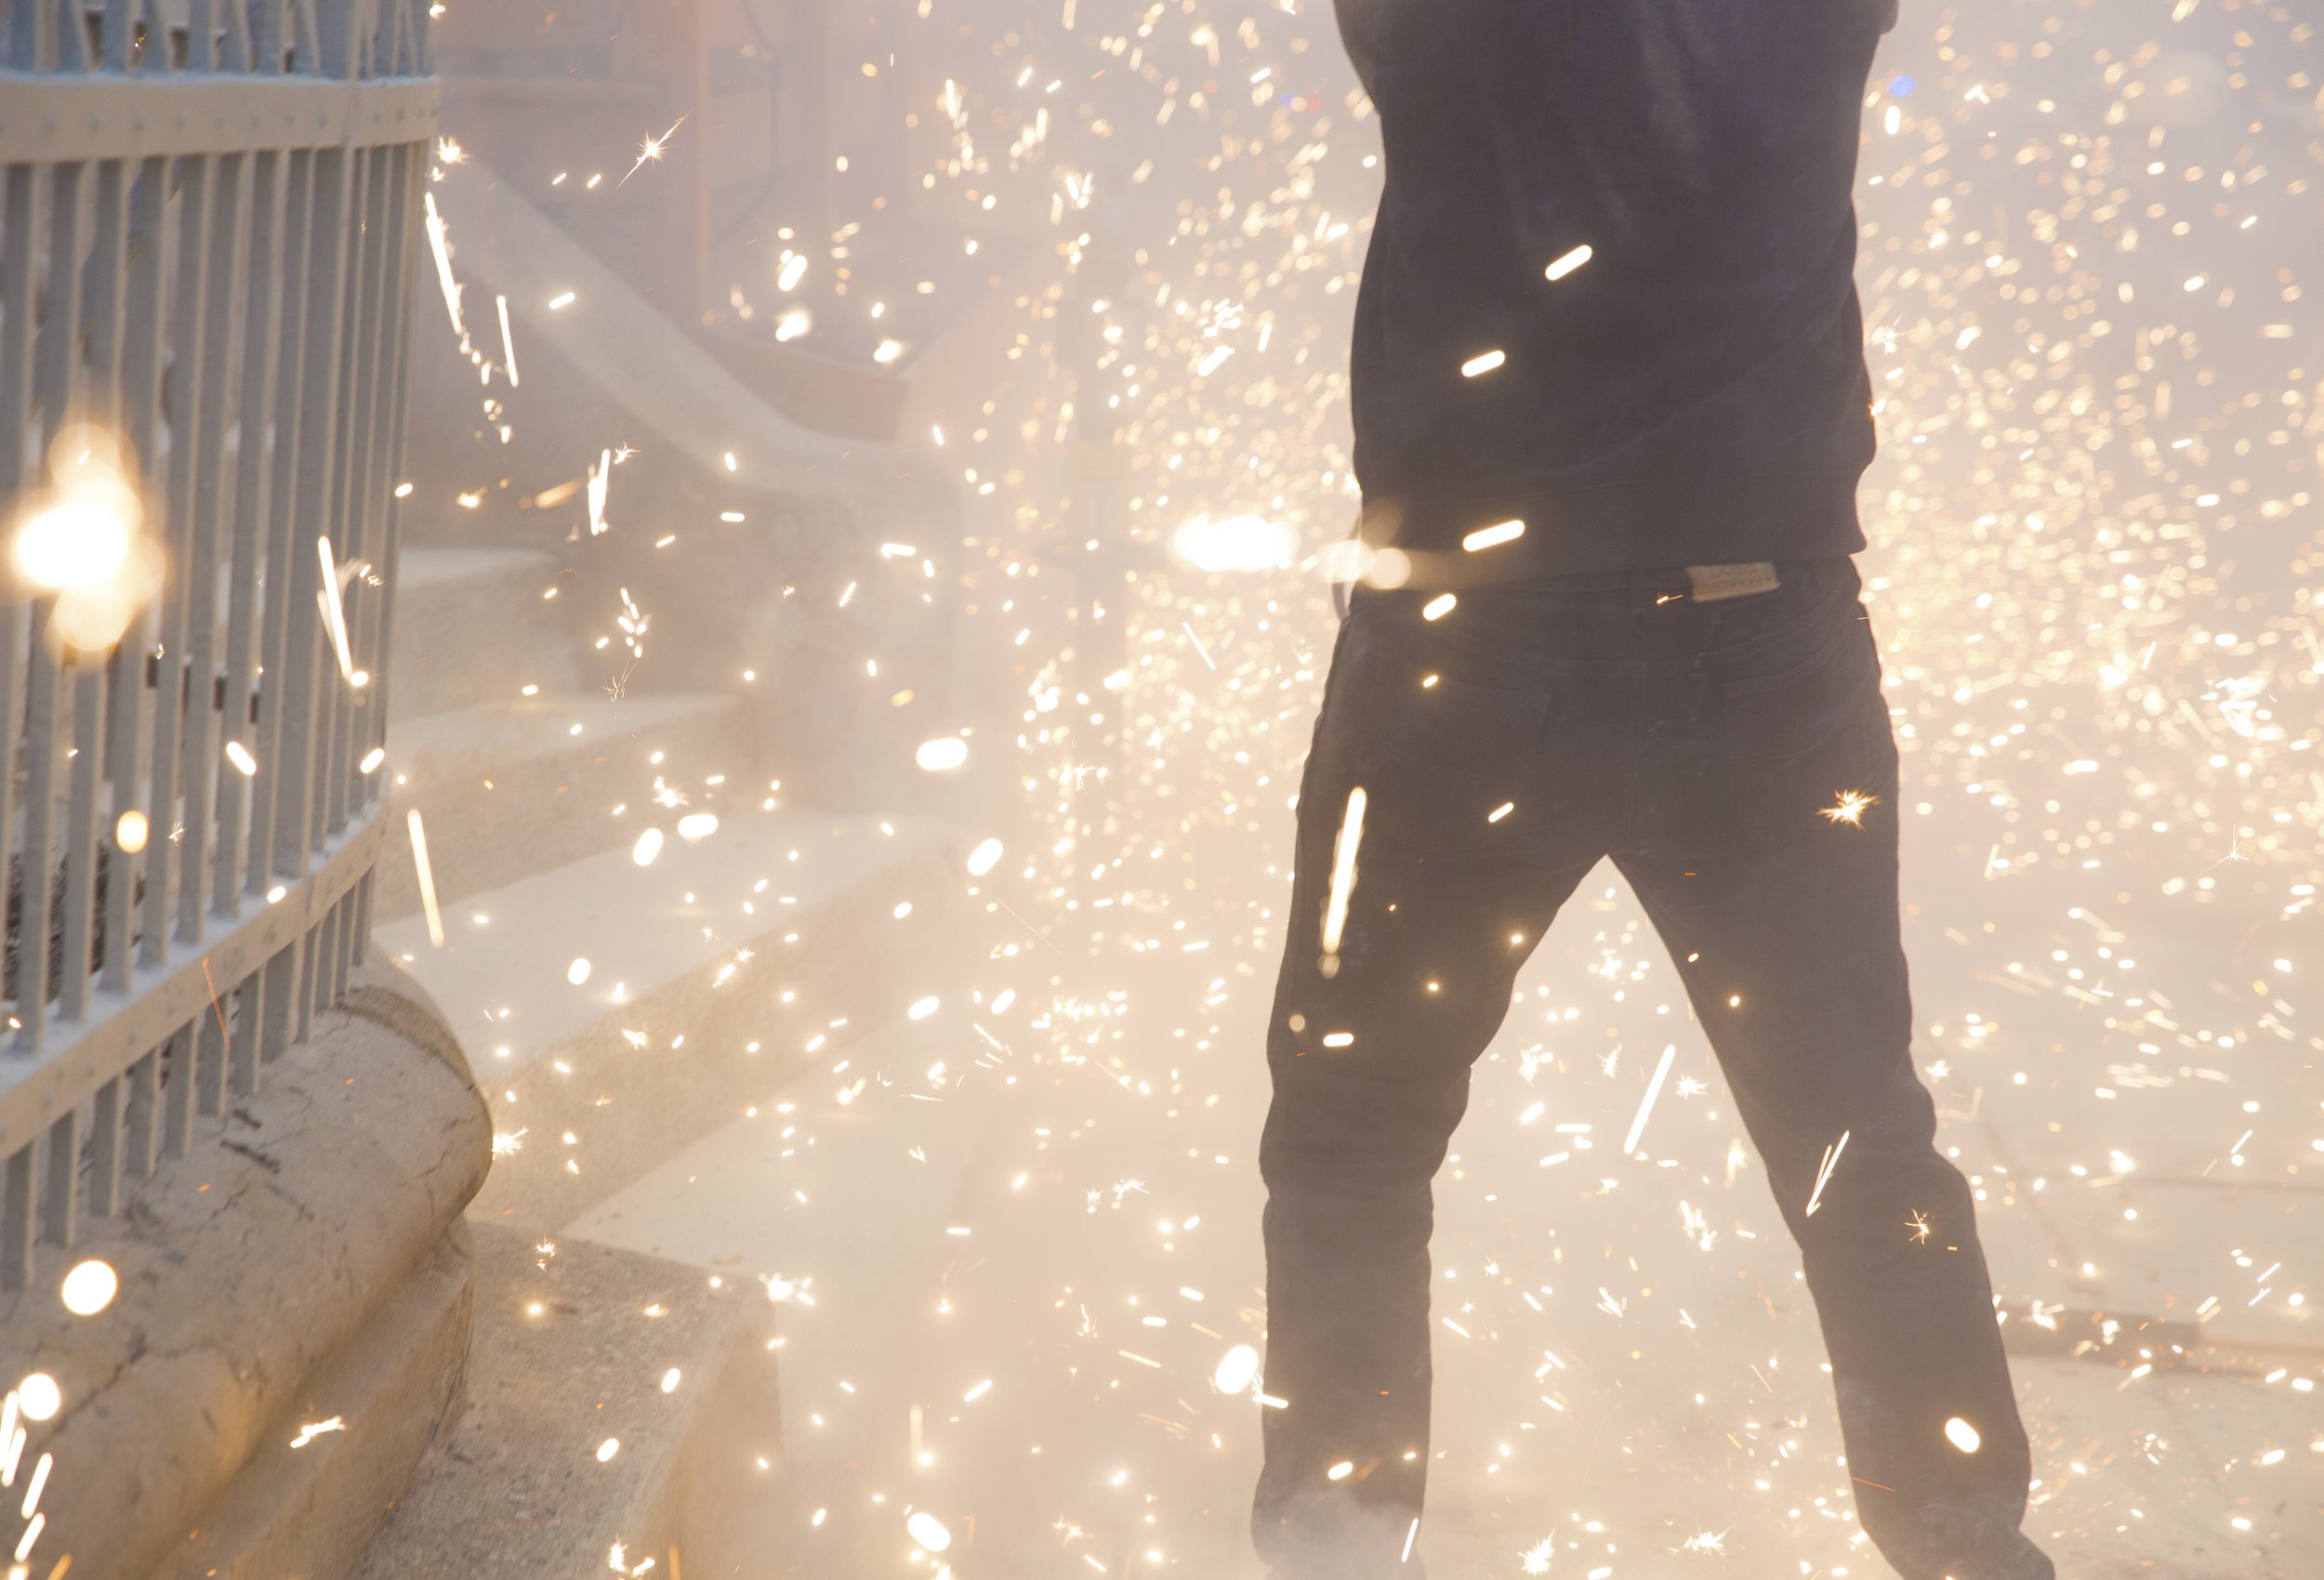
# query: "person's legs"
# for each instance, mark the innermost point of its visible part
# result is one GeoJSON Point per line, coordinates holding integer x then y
{"type": "Point", "coordinates": [1370, 1044]}
{"type": "Point", "coordinates": [1765, 853]}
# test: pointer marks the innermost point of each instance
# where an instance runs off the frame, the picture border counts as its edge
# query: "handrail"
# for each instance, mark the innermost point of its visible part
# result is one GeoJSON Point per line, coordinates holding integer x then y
{"type": "Point", "coordinates": [208, 235]}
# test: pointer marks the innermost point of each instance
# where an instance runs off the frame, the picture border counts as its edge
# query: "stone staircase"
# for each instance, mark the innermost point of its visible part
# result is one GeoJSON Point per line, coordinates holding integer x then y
{"type": "Point", "coordinates": [712, 971]}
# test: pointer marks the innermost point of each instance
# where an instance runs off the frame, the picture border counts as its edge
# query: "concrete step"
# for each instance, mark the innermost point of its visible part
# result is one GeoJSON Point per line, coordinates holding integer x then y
{"type": "Point", "coordinates": [514, 786]}
{"type": "Point", "coordinates": [867, 1263]}
{"type": "Point", "coordinates": [471, 627]}
{"type": "Point", "coordinates": [620, 1409]}
{"type": "Point", "coordinates": [712, 974]}
{"type": "Point", "coordinates": [308, 1504]}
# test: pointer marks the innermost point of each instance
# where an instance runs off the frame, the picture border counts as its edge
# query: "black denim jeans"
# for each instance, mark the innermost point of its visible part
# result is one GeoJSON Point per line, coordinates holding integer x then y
{"type": "Point", "coordinates": [1734, 759]}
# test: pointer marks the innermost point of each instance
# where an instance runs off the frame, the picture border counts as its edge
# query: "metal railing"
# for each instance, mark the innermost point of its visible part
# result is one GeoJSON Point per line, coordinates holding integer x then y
{"type": "Point", "coordinates": [209, 227]}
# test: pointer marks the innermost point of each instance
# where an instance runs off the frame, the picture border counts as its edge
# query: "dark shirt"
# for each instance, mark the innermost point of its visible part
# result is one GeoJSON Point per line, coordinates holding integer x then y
{"type": "Point", "coordinates": [1695, 392]}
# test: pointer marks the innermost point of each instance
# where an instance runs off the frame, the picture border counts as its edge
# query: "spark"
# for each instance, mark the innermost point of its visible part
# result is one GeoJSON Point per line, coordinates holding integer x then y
{"type": "Point", "coordinates": [1921, 1228]}
{"type": "Point", "coordinates": [1832, 1160]}
{"type": "Point", "coordinates": [334, 612]}
{"type": "Point", "coordinates": [1487, 537]}
{"type": "Point", "coordinates": [427, 879]}
{"type": "Point", "coordinates": [1485, 363]}
{"type": "Point", "coordinates": [601, 481]}
{"type": "Point", "coordinates": [1654, 1091]}
{"type": "Point", "coordinates": [650, 148]}
{"type": "Point", "coordinates": [1851, 807]}
{"type": "Point", "coordinates": [1569, 262]}
{"type": "Point", "coordinates": [1343, 872]}
{"type": "Point", "coordinates": [1537, 1557]}
{"type": "Point", "coordinates": [507, 342]}
{"type": "Point", "coordinates": [314, 1429]}
{"type": "Point", "coordinates": [439, 244]}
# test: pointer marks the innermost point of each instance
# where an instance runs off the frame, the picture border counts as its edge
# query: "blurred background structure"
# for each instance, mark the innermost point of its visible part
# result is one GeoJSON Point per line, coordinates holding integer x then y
{"type": "Point", "coordinates": [656, 657]}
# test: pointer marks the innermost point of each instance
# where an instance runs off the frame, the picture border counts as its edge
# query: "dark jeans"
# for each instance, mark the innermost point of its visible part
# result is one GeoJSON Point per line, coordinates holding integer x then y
{"type": "Point", "coordinates": [1699, 745]}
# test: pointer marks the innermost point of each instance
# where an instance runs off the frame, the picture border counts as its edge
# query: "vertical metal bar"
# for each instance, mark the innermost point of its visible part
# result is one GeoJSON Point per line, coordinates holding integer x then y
{"type": "Point", "coordinates": [385, 458]}
{"type": "Point", "coordinates": [178, 1088]}
{"type": "Point", "coordinates": [80, 839]}
{"type": "Point", "coordinates": [362, 914]}
{"type": "Point", "coordinates": [345, 960]}
{"type": "Point", "coordinates": [324, 978]}
{"type": "Point", "coordinates": [277, 1016]}
{"type": "Point", "coordinates": [105, 283]}
{"type": "Point", "coordinates": [312, 966]}
{"type": "Point", "coordinates": [61, 1192]}
{"type": "Point", "coordinates": [284, 414]}
{"type": "Point", "coordinates": [22, 213]}
{"type": "Point", "coordinates": [16, 1220]}
{"type": "Point", "coordinates": [210, 1039]}
{"type": "Point", "coordinates": [174, 681]}
{"type": "Point", "coordinates": [358, 334]}
{"type": "Point", "coordinates": [143, 1141]}
{"type": "Point", "coordinates": [204, 760]}
{"type": "Point", "coordinates": [296, 828]}
{"type": "Point", "coordinates": [241, 1047]}
{"type": "Point", "coordinates": [260, 317]}
{"type": "Point", "coordinates": [127, 713]}
{"type": "Point", "coordinates": [41, 730]}
{"type": "Point", "coordinates": [104, 1174]}
{"type": "Point", "coordinates": [56, 353]}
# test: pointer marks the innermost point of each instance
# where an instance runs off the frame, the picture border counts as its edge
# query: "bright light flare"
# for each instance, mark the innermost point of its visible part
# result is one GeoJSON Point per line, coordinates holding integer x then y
{"type": "Point", "coordinates": [1234, 543]}
{"type": "Point", "coordinates": [1236, 1368]}
{"type": "Point", "coordinates": [1485, 363]}
{"type": "Point", "coordinates": [39, 1397]}
{"type": "Point", "coordinates": [928, 1531]}
{"type": "Point", "coordinates": [89, 1287]}
{"type": "Point", "coordinates": [1849, 808]}
{"type": "Point", "coordinates": [941, 754]}
{"type": "Point", "coordinates": [1962, 1436]}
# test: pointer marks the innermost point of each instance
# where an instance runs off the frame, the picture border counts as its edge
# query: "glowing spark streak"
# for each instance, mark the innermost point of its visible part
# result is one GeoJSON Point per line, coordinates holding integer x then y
{"type": "Point", "coordinates": [314, 1429]}
{"type": "Point", "coordinates": [1411, 1530]}
{"type": "Point", "coordinates": [1036, 933]}
{"type": "Point", "coordinates": [1343, 870]}
{"type": "Point", "coordinates": [437, 244]}
{"type": "Point", "coordinates": [651, 149]}
{"type": "Point", "coordinates": [1486, 538]}
{"type": "Point", "coordinates": [601, 481]}
{"type": "Point", "coordinates": [1485, 363]}
{"type": "Point", "coordinates": [333, 613]}
{"type": "Point", "coordinates": [1197, 642]}
{"type": "Point", "coordinates": [1654, 1091]}
{"type": "Point", "coordinates": [1832, 1160]}
{"type": "Point", "coordinates": [215, 1008]}
{"type": "Point", "coordinates": [1567, 264]}
{"type": "Point", "coordinates": [426, 879]}
{"type": "Point", "coordinates": [508, 343]}
{"type": "Point", "coordinates": [1438, 607]}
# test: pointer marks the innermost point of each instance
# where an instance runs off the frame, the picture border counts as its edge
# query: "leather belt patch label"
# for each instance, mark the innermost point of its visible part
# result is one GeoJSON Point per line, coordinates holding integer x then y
{"type": "Point", "coordinates": [1712, 583]}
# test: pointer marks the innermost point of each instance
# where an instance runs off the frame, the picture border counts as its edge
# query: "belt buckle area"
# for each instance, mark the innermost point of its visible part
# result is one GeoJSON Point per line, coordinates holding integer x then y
{"type": "Point", "coordinates": [1712, 583]}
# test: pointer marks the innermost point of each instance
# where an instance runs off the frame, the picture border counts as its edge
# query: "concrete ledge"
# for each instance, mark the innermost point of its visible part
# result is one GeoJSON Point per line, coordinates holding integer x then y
{"type": "Point", "coordinates": [308, 1505]}
{"type": "Point", "coordinates": [575, 1343]}
{"type": "Point", "coordinates": [245, 1267]}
